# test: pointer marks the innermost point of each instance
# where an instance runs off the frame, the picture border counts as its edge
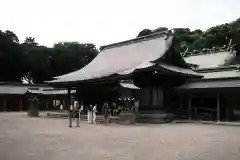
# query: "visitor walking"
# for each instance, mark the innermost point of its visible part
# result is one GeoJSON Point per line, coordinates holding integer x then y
{"type": "Point", "coordinates": [89, 116]}
{"type": "Point", "coordinates": [61, 108]}
{"type": "Point", "coordinates": [106, 111]}
{"type": "Point", "coordinates": [77, 113]}
{"type": "Point", "coordinates": [94, 111]}
{"type": "Point", "coordinates": [70, 115]}
{"type": "Point", "coordinates": [81, 110]}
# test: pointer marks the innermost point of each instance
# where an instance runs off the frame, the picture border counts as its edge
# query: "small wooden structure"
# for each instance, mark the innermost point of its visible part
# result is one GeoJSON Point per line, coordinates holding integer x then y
{"type": "Point", "coordinates": [32, 96]}
{"type": "Point", "coordinates": [213, 99]}
{"type": "Point", "coordinates": [13, 95]}
{"type": "Point", "coordinates": [52, 98]}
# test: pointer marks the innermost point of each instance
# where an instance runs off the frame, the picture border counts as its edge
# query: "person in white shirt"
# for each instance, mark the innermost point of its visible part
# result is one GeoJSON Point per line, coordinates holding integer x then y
{"type": "Point", "coordinates": [61, 108]}
{"type": "Point", "coordinates": [70, 115]}
{"type": "Point", "coordinates": [94, 111]}
{"type": "Point", "coordinates": [89, 116]}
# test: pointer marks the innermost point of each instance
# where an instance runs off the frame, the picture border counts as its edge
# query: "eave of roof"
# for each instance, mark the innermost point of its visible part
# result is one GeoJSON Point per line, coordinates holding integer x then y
{"type": "Point", "coordinates": [233, 74]}
{"type": "Point", "coordinates": [128, 84]}
{"type": "Point", "coordinates": [211, 84]}
{"type": "Point", "coordinates": [57, 92]}
{"type": "Point", "coordinates": [219, 68]}
{"type": "Point", "coordinates": [179, 70]}
{"type": "Point", "coordinates": [20, 89]}
{"type": "Point", "coordinates": [23, 84]}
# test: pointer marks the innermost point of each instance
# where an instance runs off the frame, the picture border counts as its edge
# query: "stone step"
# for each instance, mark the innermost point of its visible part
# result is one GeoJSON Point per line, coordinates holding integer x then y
{"type": "Point", "coordinates": [154, 118]}
{"type": "Point", "coordinates": [99, 118]}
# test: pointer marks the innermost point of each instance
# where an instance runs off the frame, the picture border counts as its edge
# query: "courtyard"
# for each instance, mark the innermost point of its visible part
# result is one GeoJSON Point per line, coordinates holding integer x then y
{"type": "Point", "coordinates": [24, 138]}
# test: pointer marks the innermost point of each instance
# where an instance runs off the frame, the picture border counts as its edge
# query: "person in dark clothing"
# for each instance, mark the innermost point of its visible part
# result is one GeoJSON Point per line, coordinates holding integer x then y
{"type": "Point", "coordinates": [106, 111]}
{"type": "Point", "coordinates": [77, 111]}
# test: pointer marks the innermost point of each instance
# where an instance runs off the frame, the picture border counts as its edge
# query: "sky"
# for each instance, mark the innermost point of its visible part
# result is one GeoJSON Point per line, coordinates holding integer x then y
{"type": "Point", "coordinates": [104, 22]}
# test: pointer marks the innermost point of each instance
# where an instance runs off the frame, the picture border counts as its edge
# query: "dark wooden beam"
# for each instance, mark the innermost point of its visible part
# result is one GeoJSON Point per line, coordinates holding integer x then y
{"type": "Point", "coordinates": [4, 104]}
{"type": "Point", "coordinates": [190, 108]}
{"type": "Point", "coordinates": [218, 108]}
{"type": "Point", "coordinates": [21, 104]}
{"type": "Point", "coordinates": [69, 105]}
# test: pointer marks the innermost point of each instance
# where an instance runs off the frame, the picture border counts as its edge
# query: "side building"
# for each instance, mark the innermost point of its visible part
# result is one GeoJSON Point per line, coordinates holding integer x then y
{"type": "Point", "coordinates": [14, 96]}
{"type": "Point", "coordinates": [215, 96]}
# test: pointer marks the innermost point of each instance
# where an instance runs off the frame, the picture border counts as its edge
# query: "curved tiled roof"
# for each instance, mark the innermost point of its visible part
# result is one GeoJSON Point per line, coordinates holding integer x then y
{"type": "Point", "coordinates": [121, 58]}
{"type": "Point", "coordinates": [209, 60]}
{"type": "Point", "coordinates": [124, 58]}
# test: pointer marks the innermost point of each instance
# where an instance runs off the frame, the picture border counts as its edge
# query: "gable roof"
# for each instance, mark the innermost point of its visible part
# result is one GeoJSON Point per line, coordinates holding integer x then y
{"type": "Point", "coordinates": [114, 59]}
{"type": "Point", "coordinates": [123, 58]}
{"type": "Point", "coordinates": [210, 60]}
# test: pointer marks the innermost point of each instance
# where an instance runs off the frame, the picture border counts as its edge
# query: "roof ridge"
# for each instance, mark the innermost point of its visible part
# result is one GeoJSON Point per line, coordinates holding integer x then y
{"type": "Point", "coordinates": [135, 40]}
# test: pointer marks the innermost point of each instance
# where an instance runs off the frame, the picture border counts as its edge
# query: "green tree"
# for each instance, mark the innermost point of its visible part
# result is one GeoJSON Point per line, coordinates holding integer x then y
{"type": "Point", "coordinates": [12, 64]}
{"type": "Point", "coordinates": [144, 32]}
{"type": "Point", "coordinates": [30, 41]}
{"type": "Point", "coordinates": [71, 56]}
{"type": "Point", "coordinates": [12, 36]}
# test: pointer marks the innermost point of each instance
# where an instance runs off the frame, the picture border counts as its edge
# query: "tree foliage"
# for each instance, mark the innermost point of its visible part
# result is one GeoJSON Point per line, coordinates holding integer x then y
{"type": "Point", "coordinates": [144, 32]}
{"type": "Point", "coordinates": [40, 62]}
{"type": "Point", "coordinates": [213, 37]}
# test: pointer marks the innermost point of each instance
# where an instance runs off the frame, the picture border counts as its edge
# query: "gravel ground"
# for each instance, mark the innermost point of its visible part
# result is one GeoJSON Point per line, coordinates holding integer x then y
{"type": "Point", "coordinates": [24, 138]}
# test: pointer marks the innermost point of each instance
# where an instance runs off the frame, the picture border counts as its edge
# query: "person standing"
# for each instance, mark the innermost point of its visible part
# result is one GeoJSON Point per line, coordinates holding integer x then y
{"type": "Point", "coordinates": [70, 115]}
{"type": "Point", "coordinates": [106, 112]}
{"type": "Point", "coordinates": [94, 111]}
{"type": "Point", "coordinates": [81, 110]}
{"type": "Point", "coordinates": [89, 116]}
{"type": "Point", "coordinates": [61, 108]}
{"type": "Point", "coordinates": [77, 112]}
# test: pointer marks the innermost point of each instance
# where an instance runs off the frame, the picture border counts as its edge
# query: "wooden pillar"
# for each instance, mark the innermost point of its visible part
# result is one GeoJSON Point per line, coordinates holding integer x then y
{"type": "Point", "coordinates": [4, 104]}
{"type": "Point", "coordinates": [69, 105]}
{"type": "Point", "coordinates": [190, 108]}
{"type": "Point", "coordinates": [21, 105]}
{"type": "Point", "coordinates": [46, 101]}
{"type": "Point", "coordinates": [226, 113]}
{"type": "Point", "coordinates": [61, 100]}
{"type": "Point", "coordinates": [218, 108]}
{"type": "Point", "coordinates": [64, 103]}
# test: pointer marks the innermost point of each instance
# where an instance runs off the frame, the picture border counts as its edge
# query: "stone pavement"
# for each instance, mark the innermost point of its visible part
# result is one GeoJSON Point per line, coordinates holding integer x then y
{"type": "Point", "coordinates": [24, 138]}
